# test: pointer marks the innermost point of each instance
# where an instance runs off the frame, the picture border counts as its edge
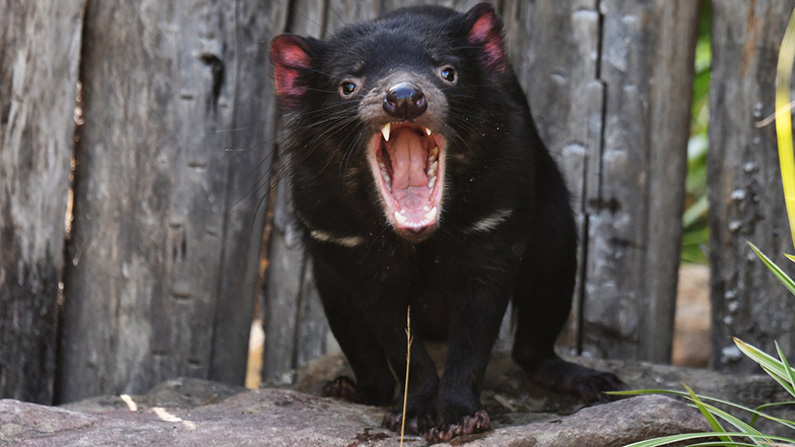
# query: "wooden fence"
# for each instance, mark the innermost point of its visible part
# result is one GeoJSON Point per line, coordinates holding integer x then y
{"type": "Point", "coordinates": [172, 163]}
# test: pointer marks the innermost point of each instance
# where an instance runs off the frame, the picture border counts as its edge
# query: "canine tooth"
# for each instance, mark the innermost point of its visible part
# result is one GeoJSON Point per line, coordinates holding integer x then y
{"type": "Point", "coordinates": [400, 219]}
{"type": "Point", "coordinates": [428, 131]}
{"type": "Point", "coordinates": [430, 215]}
{"type": "Point", "coordinates": [385, 131]}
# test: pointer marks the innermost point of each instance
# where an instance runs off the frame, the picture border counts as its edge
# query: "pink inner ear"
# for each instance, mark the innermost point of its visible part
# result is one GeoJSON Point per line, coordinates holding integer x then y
{"type": "Point", "coordinates": [485, 32]}
{"type": "Point", "coordinates": [483, 29]}
{"type": "Point", "coordinates": [291, 55]}
{"type": "Point", "coordinates": [289, 59]}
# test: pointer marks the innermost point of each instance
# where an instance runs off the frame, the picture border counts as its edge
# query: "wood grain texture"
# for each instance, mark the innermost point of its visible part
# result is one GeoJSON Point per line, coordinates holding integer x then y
{"type": "Point", "coordinates": [163, 259]}
{"type": "Point", "coordinates": [39, 51]}
{"type": "Point", "coordinates": [287, 264]}
{"type": "Point", "coordinates": [248, 182]}
{"type": "Point", "coordinates": [634, 227]}
{"type": "Point", "coordinates": [566, 99]}
{"type": "Point", "coordinates": [745, 195]}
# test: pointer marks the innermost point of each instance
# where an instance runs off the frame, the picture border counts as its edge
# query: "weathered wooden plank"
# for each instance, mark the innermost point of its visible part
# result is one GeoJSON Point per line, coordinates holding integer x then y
{"type": "Point", "coordinates": [248, 182]}
{"type": "Point", "coordinates": [39, 52]}
{"type": "Point", "coordinates": [282, 286]}
{"type": "Point", "coordinates": [634, 214]}
{"type": "Point", "coordinates": [745, 195]}
{"type": "Point", "coordinates": [566, 97]}
{"type": "Point", "coordinates": [286, 260]}
{"type": "Point", "coordinates": [161, 265]}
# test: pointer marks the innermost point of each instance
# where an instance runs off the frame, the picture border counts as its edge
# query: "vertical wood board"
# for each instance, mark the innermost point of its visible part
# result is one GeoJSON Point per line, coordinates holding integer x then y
{"type": "Point", "coordinates": [39, 52]}
{"type": "Point", "coordinates": [745, 195]}
{"type": "Point", "coordinates": [566, 99]}
{"type": "Point", "coordinates": [161, 267]}
{"type": "Point", "coordinates": [634, 229]}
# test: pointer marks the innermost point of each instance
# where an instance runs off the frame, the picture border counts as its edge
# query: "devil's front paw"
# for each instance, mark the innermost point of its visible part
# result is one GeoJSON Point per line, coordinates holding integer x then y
{"type": "Point", "coordinates": [343, 388]}
{"type": "Point", "coordinates": [415, 425]}
{"type": "Point", "coordinates": [466, 425]}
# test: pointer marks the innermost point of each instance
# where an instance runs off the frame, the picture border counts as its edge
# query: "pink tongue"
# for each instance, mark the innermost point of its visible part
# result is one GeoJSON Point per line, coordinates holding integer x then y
{"type": "Point", "coordinates": [409, 182]}
{"type": "Point", "coordinates": [407, 152]}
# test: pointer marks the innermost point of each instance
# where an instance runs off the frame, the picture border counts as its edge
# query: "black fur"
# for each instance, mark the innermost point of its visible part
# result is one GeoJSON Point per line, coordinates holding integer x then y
{"type": "Point", "coordinates": [457, 277]}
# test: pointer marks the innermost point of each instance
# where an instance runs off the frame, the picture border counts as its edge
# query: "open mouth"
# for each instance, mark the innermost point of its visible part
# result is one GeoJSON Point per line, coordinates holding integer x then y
{"type": "Point", "coordinates": [408, 166]}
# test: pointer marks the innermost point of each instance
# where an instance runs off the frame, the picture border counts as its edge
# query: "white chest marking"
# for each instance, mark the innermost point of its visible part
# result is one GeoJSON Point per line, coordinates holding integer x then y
{"type": "Point", "coordinates": [349, 241]}
{"type": "Point", "coordinates": [490, 222]}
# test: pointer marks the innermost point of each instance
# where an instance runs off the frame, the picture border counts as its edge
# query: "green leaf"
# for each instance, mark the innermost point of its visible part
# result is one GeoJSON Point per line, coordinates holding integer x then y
{"type": "Point", "coordinates": [786, 158]}
{"type": "Point", "coordinates": [737, 423]}
{"type": "Point", "coordinates": [757, 412]}
{"type": "Point", "coordinates": [786, 280]}
{"type": "Point", "coordinates": [772, 366]}
{"type": "Point", "coordinates": [711, 420]}
{"type": "Point", "coordinates": [787, 368]}
{"type": "Point", "coordinates": [665, 440]}
{"type": "Point", "coordinates": [695, 211]}
{"type": "Point", "coordinates": [784, 384]}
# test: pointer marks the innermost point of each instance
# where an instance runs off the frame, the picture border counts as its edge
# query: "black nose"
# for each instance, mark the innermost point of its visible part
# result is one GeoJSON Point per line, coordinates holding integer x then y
{"type": "Point", "coordinates": [405, 100]}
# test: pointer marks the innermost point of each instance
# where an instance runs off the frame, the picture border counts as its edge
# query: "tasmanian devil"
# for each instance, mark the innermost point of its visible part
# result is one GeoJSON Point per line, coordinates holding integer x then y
{"type": "Point", "coordinates": [420, 180]}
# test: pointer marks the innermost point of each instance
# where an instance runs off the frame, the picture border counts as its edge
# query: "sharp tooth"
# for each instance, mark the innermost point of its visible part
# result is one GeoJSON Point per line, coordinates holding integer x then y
{"type": "Point", "coordinates": [385, 131]}
{"type": "Point", "coordinates": [431, 215]}
{"type": "Point", "coordinates": [428, 131]}
{"type": "Point", "coordinates": [400, 219]}
{"type": "Point", "coordinates": [432, 168]}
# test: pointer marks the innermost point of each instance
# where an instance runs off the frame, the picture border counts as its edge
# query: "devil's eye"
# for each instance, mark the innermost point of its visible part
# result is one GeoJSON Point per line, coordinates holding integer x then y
{"type": "Point", "coordinates": [448, 74]}
{"type": "Point", "coordinates": [347, 87]}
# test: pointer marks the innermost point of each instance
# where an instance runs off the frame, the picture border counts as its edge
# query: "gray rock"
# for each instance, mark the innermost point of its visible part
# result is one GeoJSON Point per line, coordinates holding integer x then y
{"type": "Point", "coordinates": [271, 417]}
{"type": "Point", "coordinates": [191, 412]}
{"type": "Point", "coordinates": [510, 395]}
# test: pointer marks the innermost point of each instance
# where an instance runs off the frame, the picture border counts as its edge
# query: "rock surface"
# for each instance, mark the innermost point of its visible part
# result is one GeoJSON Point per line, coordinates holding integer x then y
{"type": "Point", "coordinates": [273, 417]}
{"type": "Point", "coordinates": [192, 412]}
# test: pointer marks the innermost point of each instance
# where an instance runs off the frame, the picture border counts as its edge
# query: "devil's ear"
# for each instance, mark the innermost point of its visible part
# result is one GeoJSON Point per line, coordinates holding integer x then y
{"type": "Point", "coordinates": [485, 32]}
{"type": "Point", "coordinates": [292, 57]}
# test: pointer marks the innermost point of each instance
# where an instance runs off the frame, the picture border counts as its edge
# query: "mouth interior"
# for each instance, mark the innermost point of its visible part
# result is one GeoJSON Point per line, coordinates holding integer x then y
{"type": "Point", "coordinates": [409, 165]}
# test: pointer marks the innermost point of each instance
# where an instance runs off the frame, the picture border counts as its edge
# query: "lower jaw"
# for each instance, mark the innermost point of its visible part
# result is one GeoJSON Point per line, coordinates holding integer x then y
{"type": "Point", "coordinates": [416, 235]}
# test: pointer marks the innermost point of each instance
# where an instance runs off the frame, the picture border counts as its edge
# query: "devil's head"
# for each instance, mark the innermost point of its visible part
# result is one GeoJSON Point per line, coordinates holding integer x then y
{"type": "Point", "coordinates": [395, 106]}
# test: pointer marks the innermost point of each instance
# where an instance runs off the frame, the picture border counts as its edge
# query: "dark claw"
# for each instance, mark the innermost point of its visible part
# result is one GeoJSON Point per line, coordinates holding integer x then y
{"type": "Point", "coordinates": [467, 425]}
{"type": "Point", "coordinates": [414, 425]}
{"type": "Point", "coordinates": [585, 383]}
{"type": "Point", "coordinates": [343, 388]}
